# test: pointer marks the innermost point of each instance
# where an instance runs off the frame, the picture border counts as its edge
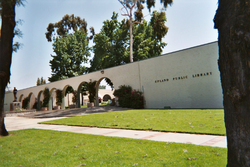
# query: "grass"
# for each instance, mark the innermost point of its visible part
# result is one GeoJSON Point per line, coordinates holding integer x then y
{"type": "Point", "coordinates": [83, 106]}
{"type": "Point", "coordinates": [100, 104]}
{"type": "Point", "coordinates": [32, 148]}
{"type": "Point", "coordinates": [104, 104]}
{"type": "Point", "coordinates": [202, 121]}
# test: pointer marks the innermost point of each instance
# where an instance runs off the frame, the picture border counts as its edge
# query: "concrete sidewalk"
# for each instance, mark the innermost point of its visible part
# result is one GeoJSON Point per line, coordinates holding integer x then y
{"type": "Point", "coordinates": [19, 123]}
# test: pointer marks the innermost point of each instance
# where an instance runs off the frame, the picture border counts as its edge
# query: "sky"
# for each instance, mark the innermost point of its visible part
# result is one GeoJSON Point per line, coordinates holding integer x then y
{"type": "Point", "coordinates": [190, 24]}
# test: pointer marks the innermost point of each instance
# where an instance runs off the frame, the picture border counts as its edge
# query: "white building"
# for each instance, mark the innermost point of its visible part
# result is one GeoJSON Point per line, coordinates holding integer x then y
{"type": "Point", "coordinates": [184, 79]}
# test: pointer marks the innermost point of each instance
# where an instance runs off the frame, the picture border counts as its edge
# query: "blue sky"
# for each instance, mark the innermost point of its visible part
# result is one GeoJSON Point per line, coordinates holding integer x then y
{"type": "Point", "coordinates": [190, 24]}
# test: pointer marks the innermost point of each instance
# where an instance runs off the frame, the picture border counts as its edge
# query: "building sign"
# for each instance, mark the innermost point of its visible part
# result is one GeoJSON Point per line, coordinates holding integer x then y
{"type": "Point", "coordinates": [184, 77]}
{"type": "Point", "coordinates": [202, 74]}
{"type": "Point", "coordinates": [161, 80]}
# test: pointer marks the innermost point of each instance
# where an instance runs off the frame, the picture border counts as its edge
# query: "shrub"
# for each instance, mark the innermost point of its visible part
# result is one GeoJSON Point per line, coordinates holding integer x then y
{"type": "Point", "coordinates": [122, 91]}
{"type": "Point", "coordinates": [74, 97]}
{"type": "Point", "coordinates": [127, 97]}
{"type": "Point", "coordinates": [58, 97]}
{"type": "Point", "coordinates": [35, 104]}
{"type": "Point", "coordinates": [25, 103]}
{"type": "Point", "coordinates": [137, 99]}
{"type": "Point", "coordinates": [46, 97]}
{"type": "Point", "coordinates": [92, 91]}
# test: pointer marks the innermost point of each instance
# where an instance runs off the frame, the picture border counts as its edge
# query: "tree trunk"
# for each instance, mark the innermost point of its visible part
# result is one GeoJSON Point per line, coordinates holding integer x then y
{"type": "Point", "coordinates": [7, 34]}
{"type": "Point", "coordinates": [131, 34]}
{"type": "Point", "coordinates": [82, 99]}
{"type": "Point", "coordinates": [233, 23]}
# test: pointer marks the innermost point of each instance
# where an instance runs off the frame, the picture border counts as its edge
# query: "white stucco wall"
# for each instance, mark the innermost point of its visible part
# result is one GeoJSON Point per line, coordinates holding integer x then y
{"type": "Point", "coordinates": [187, 91]}
{"type": "Point", "coordinates": [8, 98]}
{"type": "Point", "coordinates": [159, 80]}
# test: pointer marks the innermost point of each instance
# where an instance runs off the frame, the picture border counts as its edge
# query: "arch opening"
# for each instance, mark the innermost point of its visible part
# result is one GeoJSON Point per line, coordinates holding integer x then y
{"type": "Point", "coordinates": [82, 94]}
{"type": "Point", "coordinates": [69, 99]}
{"type": "Point", "coordinates": [21, 98]}
{"type": "Point", "coordinates": [28, 102]}
{"type": "Point", "coordinates": [39, 100]}
{"type": "Point", "coordinates": [52, 99]}
{"type": "Point", "coordinates": [104, 86]}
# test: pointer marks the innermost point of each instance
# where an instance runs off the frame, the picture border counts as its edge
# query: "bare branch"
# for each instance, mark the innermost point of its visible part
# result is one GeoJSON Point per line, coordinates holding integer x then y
{"type": "Point", "coordinates": [124, 6]}
{"type": "Point", "coordinates": [134, 4]}
{"type": "Point", "coordinates": [137, 22]}
{"type": "Point", "coordinates": [123, 14]}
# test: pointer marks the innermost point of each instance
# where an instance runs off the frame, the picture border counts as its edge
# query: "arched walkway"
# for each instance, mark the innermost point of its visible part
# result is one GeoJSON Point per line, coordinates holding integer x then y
{"type": "Point", "coordinates": [64, 94]}
{"type": "Point", "coordinates": [39, 98]}
{"type": "Point", "coordinates": [52, 98]}
{"type": "Point", "coordinates": [80, 91]}
{"type": "Point", "coordinates": [20, 98]}
{"type": "Point", "coordinates": [106, 97]}
{"type": "Point", "coordinates": [108, 81]}
{"type": "Point", "coordinates": [30, 101]}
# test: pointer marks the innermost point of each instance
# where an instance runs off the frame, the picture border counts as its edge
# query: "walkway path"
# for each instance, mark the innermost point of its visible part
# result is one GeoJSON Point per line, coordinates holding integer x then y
{"type": "Point", "coordinates": [18, 123]}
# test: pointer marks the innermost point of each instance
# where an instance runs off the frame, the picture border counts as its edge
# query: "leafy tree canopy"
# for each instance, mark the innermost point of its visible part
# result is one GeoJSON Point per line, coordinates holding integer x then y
{"type": "Point", "coordinates": [71, 51]}
{"type": "Point", "coordinates": [63, 27]}
{"type": "Point", "coordinates": [112, 43]}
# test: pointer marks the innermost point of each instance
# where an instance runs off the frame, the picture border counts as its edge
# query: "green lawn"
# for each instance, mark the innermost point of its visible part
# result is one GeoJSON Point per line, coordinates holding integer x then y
{"type": "Point", "coordinates": [203, 121]}
{"type": "Point", "coordinates": [83, 106]}
{"type": "Point", "coordinates": [32, 148]}
{"type": "Point", "coordinates": [100, 104]}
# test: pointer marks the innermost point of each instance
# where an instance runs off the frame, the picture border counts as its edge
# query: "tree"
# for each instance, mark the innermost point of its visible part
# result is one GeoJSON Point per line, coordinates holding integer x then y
{"type": "Point", "coordinates": [148, 37]}
{"type": "Point", "coordinates": [71, 52]}
{"type": "Point", "coordinates": [17, 31]}
{"type": "Point", "coordinates": [7, 10]}
{"type": "Point", "coordinates": [127, 10]}
{"type": "Point", "coordinates": [232, 20]}
{"type": "Point", "coordinates": [128, 6]}
{"type": "Point", "coordinates": [70, 45]}
{"type": "Point", "coordinates": [111, 44]}
{"type": "Point", "coordinates": [40, 81]}
{"type": "Point", "coordinates": [65, 25]}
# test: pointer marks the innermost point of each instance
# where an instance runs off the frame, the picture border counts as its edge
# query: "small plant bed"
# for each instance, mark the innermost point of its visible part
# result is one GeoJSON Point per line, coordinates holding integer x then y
{"type": "Point", "coordinates": [201, 121]}
{"type": "Point", "coordinates": [53, 148]}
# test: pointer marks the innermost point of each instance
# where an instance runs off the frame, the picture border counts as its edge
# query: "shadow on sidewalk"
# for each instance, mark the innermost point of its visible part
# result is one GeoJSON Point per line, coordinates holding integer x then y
{"type": "Point", "coordinates": [72, 112]}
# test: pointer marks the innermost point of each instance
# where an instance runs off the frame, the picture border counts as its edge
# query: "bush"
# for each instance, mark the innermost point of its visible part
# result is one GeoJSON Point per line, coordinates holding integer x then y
{"type": "Point", "coordinates": [25, 103]}
{"type": "Point", "coordinates": [137, 99]}
{"type": "Point", "coordinates": [92, 91]}
{"type": "Point", "coordinates": [46, 98]}
{"type": "Point", "coordinates": [74, 97]}
{"type": "Point", "coordinates": [58, 97]}
{"type": "Point", "coordinates": [127, 97]}
{"type": "Point", "coordinates": [35, 104]}
{"type": "Point", "coordinates": [123, 91]}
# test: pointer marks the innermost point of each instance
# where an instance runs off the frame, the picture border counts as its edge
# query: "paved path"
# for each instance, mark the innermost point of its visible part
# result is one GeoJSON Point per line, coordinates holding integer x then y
{"type": "Point", "coordinates": [18, 123]}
